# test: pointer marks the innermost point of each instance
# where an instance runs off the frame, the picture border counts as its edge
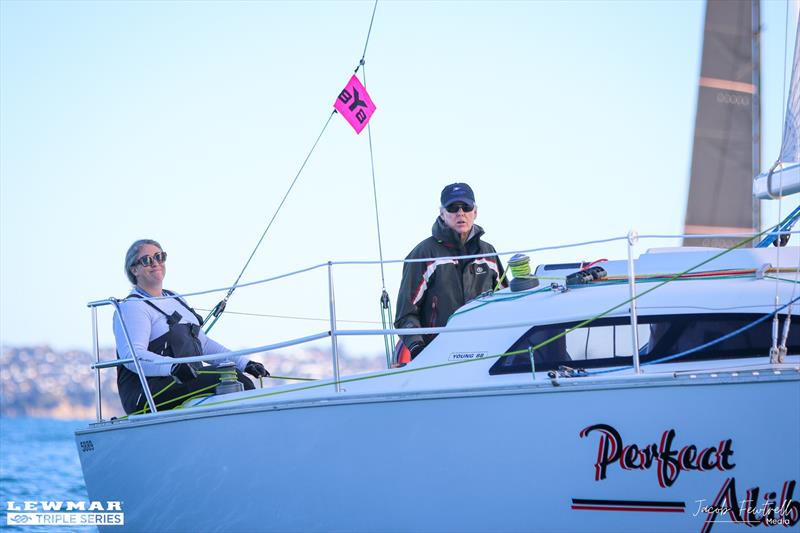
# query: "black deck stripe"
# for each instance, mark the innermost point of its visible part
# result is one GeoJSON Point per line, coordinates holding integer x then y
{"type": "Point", "coordinates": [629, 503]}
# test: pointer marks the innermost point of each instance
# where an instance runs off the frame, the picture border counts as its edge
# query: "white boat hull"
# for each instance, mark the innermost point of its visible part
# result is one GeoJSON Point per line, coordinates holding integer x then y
{"type": "Point", "coordinates": [502, 459]}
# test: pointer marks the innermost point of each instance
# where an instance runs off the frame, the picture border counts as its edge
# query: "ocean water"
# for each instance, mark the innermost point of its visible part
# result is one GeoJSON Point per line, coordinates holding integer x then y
{"type": "Point", "coordinates": [39, 461]}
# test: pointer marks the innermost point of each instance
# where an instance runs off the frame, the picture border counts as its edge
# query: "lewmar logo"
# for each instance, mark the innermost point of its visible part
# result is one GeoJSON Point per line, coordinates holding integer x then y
{"type": "Point", "coordinates": [64, 513]}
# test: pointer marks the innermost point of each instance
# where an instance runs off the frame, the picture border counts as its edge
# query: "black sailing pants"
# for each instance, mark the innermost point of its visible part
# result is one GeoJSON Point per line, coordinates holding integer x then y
{"type": "Point", "coordinates": [177, 393]}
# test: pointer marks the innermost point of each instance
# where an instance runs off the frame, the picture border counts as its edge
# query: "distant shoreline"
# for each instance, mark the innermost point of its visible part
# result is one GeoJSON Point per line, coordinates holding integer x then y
{"type": "Point", "coordinates": [40, 382]}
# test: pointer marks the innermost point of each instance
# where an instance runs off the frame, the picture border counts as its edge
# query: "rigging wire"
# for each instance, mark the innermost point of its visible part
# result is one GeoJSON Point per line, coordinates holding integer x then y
{"type": "Point", "coordinates": [366, 43]}
{"type": "Point", "coordinates": [220, 307]}
{"type": "Point", "coordinates": [369, 135]}
{"type": "Point", "coordinates": [787, 322]}
{"type": "Point", "coordinates": [774, 350]}
{"type": "Point", "coordinates": [375, 194]}
{"type": "Point", "coordinates": [782, 230]}
{"type": "Point", "coordinates": [385, 301]}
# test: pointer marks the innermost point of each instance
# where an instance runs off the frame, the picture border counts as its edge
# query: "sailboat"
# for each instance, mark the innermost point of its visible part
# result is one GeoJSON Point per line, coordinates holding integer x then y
{"type": "Point", "coordinates": [655, 393]}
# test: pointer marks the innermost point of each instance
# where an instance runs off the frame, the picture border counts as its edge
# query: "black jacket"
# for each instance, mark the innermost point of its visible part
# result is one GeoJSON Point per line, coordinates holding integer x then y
{"type": "Point", "coordinates": [432, 291]}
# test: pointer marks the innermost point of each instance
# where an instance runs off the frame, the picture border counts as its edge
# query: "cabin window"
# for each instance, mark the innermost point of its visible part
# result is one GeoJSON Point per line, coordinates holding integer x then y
{"type": "Point", "coordinates": [607, 342]}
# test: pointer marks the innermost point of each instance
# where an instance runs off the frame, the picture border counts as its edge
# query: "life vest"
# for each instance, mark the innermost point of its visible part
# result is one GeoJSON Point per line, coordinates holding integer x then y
{"type": "Point", "coordinates": [180, 340]}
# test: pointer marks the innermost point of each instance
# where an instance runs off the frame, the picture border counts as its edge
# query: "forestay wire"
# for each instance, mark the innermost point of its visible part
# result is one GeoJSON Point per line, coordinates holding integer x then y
{"type": "Point", "coordinates": [366, 43]}
{"type": "Point", "coordinates": [385, 302]}
{"type": "Point", "coordinates": [218, 309]}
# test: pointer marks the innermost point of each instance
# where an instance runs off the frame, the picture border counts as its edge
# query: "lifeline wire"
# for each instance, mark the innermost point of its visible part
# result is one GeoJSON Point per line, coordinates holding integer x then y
{"type": "Point", "coordinates": [419, 369]}
{"type": "Point", "coordinates": [294, 317]}
{"type": "Point", "coordinates": [445, 364]}
{"type": "Point", "coordinates": [538, 346]}
{"type": "Point", "coordinates": [496, 356]}
{"type": "Point", "coordinates": [107, 301]}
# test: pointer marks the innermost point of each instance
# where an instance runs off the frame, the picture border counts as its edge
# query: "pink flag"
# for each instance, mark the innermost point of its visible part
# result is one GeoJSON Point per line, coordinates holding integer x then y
{"type": "Point", "coordinates": [354, 104]}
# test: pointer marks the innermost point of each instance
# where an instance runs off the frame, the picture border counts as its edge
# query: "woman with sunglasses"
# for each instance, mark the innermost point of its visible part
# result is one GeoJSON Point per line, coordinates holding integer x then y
{"type": "Point", "coordinates": [161, 330]}
{"type": "Point", "coordinates": [432, 291]}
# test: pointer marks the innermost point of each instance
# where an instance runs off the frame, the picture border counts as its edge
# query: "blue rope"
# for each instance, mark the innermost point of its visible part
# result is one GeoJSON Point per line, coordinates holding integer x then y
{"type": "Point", "coordinates": [786, 225]}
{"type": "Point", "coordinates": [703, 346]}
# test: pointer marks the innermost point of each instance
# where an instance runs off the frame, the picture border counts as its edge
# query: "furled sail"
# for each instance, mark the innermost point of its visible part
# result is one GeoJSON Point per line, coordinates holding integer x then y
{"type": "Point", "coordinates": [725, 155]}
{"type": "Point", "coordinates": [784, 177]}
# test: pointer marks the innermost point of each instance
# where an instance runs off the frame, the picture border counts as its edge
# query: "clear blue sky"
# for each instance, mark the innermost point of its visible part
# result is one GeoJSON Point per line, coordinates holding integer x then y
{"type": "Point", "coordinates": [186, 122]}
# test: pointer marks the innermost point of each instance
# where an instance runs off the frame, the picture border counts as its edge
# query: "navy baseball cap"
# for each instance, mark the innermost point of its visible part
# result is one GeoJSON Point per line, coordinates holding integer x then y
{"type": "Point", "coordinates": [458, 192]}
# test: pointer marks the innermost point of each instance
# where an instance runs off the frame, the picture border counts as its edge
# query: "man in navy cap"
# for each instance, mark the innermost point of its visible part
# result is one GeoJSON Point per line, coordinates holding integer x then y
{"type": "Point", "coordinates": [431, 291]}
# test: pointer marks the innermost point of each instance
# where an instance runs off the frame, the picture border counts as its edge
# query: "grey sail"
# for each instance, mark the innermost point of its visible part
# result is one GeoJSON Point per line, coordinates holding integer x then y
{"type": "Point", "coordinates": [725, 154]}
{"type": "Point", "coordinates": [783, 178]}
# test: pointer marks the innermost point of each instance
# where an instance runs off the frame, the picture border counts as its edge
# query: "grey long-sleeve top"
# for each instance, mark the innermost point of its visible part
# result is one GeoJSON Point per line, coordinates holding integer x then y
{"type": "Point", "coordinates": [145, 324]}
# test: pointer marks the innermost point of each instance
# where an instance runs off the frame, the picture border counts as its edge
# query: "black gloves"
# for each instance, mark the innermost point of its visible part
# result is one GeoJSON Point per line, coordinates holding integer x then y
{"type": "Point", "coordinates": [183, 372]}
{"type": "Point", "coordinates": [256, 369]}
{"type": "Point", "coordinates": [415, 348]}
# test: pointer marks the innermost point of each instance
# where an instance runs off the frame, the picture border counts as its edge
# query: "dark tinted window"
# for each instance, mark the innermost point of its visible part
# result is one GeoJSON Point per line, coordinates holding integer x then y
{"type": "Point", "coordinates": [607, 342]}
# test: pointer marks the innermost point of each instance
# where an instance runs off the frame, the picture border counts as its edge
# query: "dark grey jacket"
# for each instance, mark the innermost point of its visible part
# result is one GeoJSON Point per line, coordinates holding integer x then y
{"type": "Point", "coordinates": [431, 291]}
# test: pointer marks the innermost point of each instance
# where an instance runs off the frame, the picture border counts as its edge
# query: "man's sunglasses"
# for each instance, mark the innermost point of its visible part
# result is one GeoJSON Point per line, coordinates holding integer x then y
{"type": "Point", "coordinates": [147, 260]}
{"type": "Point", "coordinates": [453, 208]}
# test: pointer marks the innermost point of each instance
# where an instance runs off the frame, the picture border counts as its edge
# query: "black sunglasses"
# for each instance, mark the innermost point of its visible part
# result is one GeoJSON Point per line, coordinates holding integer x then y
{"type": "Point", "coordinates": [147, 260]}
{"type": "Point", "coordinates": [453, 208]}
